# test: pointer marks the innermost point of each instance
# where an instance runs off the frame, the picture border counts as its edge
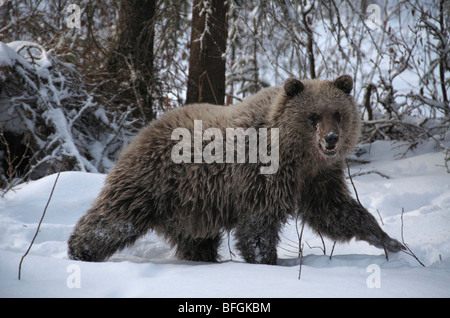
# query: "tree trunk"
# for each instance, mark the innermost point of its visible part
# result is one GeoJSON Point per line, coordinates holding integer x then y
{"type": "Point", "coordinates": [443, 60]}
{"type": "Point", "coordinates": [367, 105]}
{"type": "Point", "coordinates": [310, 41]}
{"type": "Point", "coordinates": [206, 81]}
{"type": "Point", "coordinates": [132, 57]}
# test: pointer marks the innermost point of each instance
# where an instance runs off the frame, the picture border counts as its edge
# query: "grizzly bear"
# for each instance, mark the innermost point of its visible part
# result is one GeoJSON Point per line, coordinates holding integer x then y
{"type": "Point", "coordinates": [164, 183]}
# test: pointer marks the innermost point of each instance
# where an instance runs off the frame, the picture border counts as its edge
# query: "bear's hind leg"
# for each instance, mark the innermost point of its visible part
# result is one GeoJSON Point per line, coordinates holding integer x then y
{"type": "Point", "coordinates": [104, 229]}
{"type": "Point", "coordinates": [258, 239]}
{"type": "Point", "coordinates": [96, 238]}
{"type": "Point", "coordinates": [198, 249]}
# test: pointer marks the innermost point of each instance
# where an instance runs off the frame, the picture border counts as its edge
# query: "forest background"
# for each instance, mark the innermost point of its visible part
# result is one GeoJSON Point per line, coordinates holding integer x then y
{"type": "Point", "coordinates": [79, 79]}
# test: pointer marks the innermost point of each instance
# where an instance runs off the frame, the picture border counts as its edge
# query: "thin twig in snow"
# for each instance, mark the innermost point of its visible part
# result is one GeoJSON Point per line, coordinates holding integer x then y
{"type": "Point", "coordinates": [353, 185]}
{"type": "Point", "coordinates": [408, 250]}
{"type": "Point", "coordinates": [332, 249]}
{"type": "Point", "coordinates": [39, 225]}
{"type": "Point", "coordinates": [300, 245]}
{"type": "Point", "coordinates": [381, 219]}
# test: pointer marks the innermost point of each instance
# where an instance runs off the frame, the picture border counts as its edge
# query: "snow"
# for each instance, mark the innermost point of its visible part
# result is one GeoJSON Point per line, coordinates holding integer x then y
{"type": "Point", "coordinates": [7, 56]}
{"type": "Point", "coordinates": [419, 184]}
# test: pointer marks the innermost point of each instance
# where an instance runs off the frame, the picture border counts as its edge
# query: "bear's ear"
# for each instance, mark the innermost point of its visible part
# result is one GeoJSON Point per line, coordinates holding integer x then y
{"type": "Point", "coordinates": [344, 83]}
{"type": "Point", "coordinates": [292, 87]}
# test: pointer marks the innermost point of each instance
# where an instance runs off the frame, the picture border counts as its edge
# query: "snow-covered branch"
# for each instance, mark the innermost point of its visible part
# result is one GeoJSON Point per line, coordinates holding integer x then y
{"type": "Point", "coordinates": [48, 120]}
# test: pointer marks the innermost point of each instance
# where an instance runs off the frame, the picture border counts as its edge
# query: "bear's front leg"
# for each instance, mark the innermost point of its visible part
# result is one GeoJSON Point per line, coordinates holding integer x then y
{"type": "Point", "coordinates": [347, 220]}
{"type": "Point", "coordinates": [329, 209]}
{"type": "Point", "coordinates": [258, 239]}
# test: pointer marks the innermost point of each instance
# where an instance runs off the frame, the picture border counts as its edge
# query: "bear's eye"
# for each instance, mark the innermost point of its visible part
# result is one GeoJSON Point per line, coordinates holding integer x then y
{"type": "Point", "coordinates": [338, 116]}
{"type": "Point", "coordinates": [314, 118]}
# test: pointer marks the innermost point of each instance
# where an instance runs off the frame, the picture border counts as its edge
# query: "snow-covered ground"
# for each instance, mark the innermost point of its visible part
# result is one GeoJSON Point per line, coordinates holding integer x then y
{"type": "Point", "coordinates": [418, 183]}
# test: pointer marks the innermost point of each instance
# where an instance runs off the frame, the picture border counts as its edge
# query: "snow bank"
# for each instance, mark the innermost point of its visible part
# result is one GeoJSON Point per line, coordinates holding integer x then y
{"type": "Point", "coordinates": [418, 183]}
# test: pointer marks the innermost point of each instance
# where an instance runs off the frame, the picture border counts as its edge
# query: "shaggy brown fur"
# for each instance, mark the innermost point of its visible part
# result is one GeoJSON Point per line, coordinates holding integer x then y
{"type": "Point", "coordinates": [191, 204]}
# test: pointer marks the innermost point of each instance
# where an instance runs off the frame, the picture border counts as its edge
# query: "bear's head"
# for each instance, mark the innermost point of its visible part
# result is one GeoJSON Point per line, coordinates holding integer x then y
{"type": "Point", "coordinates": [321, 114]}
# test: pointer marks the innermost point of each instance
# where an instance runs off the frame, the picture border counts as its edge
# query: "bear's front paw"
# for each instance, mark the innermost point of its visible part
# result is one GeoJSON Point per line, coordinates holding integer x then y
{"type": "Point", "coordinates": [392, 245]}
{"type": "Point", "coordinates": [382, 240]}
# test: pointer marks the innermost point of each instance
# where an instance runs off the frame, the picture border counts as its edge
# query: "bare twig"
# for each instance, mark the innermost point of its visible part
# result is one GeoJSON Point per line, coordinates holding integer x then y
{"type": "Point", "coordinates": [353, 185]}
{"type": "Point", "coordinates": [332, 249]}
{"type": "Point", "coordinates": [446, 160]}
{"type": "Point", "coordinates": [300, 245]}
{"type": "Point", "coordinates": [39, 225]}
{"type": "Point", "coordinates": [408, 250]}
{"type": "Point", "coordinates": [381, 219]}
{"type": "Point", "coordinates": [319, 247]}
{"type": "Point", "coordinates": [323, 244]}
{"type": "Point", "coordinates": [322, 248]}
{"type": "Point", "coordinates": [357, 161]}
{"type": "Point", "coordinates": [229, 247]}
{"type": "Point", "coordinates": [358, 174]}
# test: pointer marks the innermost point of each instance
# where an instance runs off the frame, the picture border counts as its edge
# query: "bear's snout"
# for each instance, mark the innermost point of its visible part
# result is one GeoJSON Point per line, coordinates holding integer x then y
{"type": "Point", "coordinates": [331, 140]}
{"type": "Point", "coordinates": [328, 144]}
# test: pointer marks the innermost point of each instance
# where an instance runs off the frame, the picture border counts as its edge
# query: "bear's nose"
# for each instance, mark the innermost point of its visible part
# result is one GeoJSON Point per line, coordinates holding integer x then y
{"type": "Point", "coordinates": [331, 139]}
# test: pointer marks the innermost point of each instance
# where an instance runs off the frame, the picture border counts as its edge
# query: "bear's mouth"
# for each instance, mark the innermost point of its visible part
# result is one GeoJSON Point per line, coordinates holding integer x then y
{"type": "Point", "coordinates": [328, 151]}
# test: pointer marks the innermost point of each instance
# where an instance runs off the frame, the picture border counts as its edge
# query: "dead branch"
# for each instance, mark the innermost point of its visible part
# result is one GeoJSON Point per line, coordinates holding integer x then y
{"type": "Point", "coordinates": [300, 245]}
{"type": "Point", "coordinates": [353, 185]}
{"type": "Point", "coordinates": [358, 174]}
{"type": "Point", "coordinates": [408, 249]}
{"type": "Point", "coordinates": [366, 102]}
{"type": "Point", "coordinates": [332, 250]}
{"type": "Point", "coordinates": [357, 161]}
{"type": "Point", "coordinates": [381, 219]}
{"type": "Point", "coordinates": [39, 225]}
